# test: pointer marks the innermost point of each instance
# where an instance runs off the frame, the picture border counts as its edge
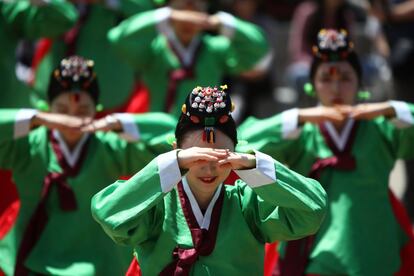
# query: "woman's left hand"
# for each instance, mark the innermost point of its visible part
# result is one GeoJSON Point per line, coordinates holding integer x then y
{"type": "Point", "coordinates": [108, 123]}
{"type": "Point", "coordinates": [238, 161]}
{"type": "Point", "coordinates": [372, 110]}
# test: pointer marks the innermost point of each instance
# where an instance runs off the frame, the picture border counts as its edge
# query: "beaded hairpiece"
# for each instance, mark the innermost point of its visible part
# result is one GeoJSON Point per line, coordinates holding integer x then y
{"type": "Point", "coordinates": [75, 71]}
{"type": "Point", "coordinates": [209, 106]}
{"type": "Point", "coordinates": [74, 74]}
{"type": "Point", "coordinates": [333, 45]}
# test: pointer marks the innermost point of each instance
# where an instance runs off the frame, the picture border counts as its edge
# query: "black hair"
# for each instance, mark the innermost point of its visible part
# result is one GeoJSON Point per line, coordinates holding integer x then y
{"type": "Point", "coordinates": [74, 74]}
{"type": "Point", "coordinates": [352, 59]}
{"type": "Point", "coordinates": [315, 22]}
{"type": "Point", "coordinates": [186, 126]}
{"type": "Point", "coordinates": [207, 109]}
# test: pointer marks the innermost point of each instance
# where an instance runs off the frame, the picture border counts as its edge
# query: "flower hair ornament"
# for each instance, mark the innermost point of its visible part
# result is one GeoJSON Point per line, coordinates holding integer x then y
{"type": "Point", "coordinates": [209, 106]}
{"type": "Point", "coordinates": [333, 45]}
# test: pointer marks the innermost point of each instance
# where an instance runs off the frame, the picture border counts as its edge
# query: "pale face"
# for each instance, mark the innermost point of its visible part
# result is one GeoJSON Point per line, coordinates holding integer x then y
{"type": "Point", "coordinates": [73, 104]}
{"type": "Point", "coordinates": [204, 179]}
{"type": "Point", "coordinates": [336, 83]}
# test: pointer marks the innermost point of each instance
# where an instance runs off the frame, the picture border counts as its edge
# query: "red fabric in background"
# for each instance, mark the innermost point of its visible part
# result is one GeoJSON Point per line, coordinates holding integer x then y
{"type": "Point", "coordinates": [134, 269]}
{"type": "Point", "coordinates": [138, 102]}
{"type": "Point", "coordinates": [9, 202]}
{"type": "Point", "coordinates": [407, 252]}
{"type": "Point", "coordinates": [270, 259]}
{"type": "Point", "coordinates": [43, 47]}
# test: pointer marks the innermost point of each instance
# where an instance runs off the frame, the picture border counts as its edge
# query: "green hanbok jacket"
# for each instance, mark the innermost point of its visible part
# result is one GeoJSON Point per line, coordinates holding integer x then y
{"type": "Point", "coordinates": [360, 235]}
{"type": "Point", "coordinates": [169, 70]}
{"type": "Point", "coordinates": [18, 19]}
{"type": "Point", "coordinates": [269, 203]}
{"type": "Point", "coordinates": [116, 78]}
{"type": "Point", "coordinates": [71, 242]}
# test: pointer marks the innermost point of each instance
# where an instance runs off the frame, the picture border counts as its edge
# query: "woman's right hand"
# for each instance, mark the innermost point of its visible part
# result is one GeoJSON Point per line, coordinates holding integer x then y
{"type": "Point", "coordinates": [318, 114]}
{"type": "Point", "coordinates": [202, 20]}
{"type": "Point", "coordinates": [59, 121]}
{"type": "Point", "coordinates": [190, 157]}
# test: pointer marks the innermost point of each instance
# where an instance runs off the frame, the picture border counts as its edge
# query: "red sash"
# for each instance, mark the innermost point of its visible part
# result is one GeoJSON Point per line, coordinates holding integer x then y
{"type": "Point", "coordinates": [297, 252]}
{"type": "Point", "coordinates": [178, 75]}
{"type": "Point", "coordinates": [204, 240]}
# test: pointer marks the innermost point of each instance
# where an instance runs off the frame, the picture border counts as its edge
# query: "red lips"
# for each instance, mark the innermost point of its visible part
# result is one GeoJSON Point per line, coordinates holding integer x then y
{"type": "Point", "coordinates": [207, 180]}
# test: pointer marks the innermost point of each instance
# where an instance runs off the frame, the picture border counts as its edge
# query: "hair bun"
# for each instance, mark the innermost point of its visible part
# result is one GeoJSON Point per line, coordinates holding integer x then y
{"type": "Point", "coordinates": [208, 106]}
{"type": "Point", "coordinates": [208, 102]}
{"type": "Point", "coordinates": [74, 73]}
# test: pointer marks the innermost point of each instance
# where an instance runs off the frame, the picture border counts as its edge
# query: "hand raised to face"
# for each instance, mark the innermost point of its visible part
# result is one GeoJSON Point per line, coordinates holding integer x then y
{"type": "Point", "coordinates": [372, 110]}
{"type": "Point", "coordinates": [196, 156]}
{"type": "Point", "coordinates": [74, 123]}
{"type": "Point", "coordinates": [338, 113]}
{"type": "Point", "coordinates": [201, 20]}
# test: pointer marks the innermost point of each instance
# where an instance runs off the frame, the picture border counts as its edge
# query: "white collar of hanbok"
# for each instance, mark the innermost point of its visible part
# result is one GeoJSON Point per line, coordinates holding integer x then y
{"type": "Point", "coordinates": [202, 220]}
{"type": "Point", "coordinates": [71, 157]}
{"type": "Point", "coordinates": [186, 53]}
{"type": "Point", "coordinates": [340, 139]}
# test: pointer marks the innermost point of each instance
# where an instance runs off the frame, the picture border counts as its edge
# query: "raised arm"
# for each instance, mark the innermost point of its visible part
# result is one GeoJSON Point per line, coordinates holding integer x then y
{"type": "Point", "coordinates": [248, 48]}
{"type": "Point", "coordinates": [132, 38]}
{"type": "Point", "coordinates": [15, 125]}
{"type": "Point", "coordinates": [38, 18]}
{"type": "Point", "coordinates": [278, 203]}
{"type": "Point", "coordinates": [132, 211]}
{"type": "Point", "coordinates": [396, 121]}
{"type": "Point", "coordinates": [280, 136]}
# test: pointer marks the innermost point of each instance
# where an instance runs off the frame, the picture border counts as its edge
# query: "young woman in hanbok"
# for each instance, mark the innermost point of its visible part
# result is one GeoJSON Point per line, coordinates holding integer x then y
{"type": "Point", "coordinates": [351, 149]}
{"type": "Point", "coordinates": [59, 160]}
{"type": "Point", "coordinates": [180, 46]}
{"type": "Point", "coordinates": [182, 220]}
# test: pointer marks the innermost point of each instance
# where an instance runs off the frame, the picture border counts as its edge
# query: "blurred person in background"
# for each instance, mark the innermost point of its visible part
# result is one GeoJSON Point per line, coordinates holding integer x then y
{"type": "Point", "coordinates": [88, 38]}
{"type": "Point", "coordinates": [310, 17]}
{"type": "Point", "coordinates": [351, 149]}
{"type": "Point", "coordinates": [23, 19]}
{"type": "Point", "coordinates": [60, 159]}
{"type": "Point", "coordinates": [181, 46]}
{"type": "Point", "coordinates": [251, 89]}
{"type": "Point", "coordinates": [397, 18]}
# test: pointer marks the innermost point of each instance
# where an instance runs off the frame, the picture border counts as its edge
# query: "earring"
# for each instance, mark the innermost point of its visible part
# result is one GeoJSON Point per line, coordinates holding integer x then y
{"type": "Point", "coordinates": [364, 95]}
{"type": "Point", "coordinates": [309, 89]}
{"type": "Point", "coordinates": [42, 105]}
{"type": "Point", "coordinates": [99, 107]}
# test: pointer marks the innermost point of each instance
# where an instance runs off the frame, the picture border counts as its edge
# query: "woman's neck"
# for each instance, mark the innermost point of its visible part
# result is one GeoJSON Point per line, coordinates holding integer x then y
{"type": "Point", "coordinates": [203, 200]}
{"type": "Point", "coordinates": [70, 140]}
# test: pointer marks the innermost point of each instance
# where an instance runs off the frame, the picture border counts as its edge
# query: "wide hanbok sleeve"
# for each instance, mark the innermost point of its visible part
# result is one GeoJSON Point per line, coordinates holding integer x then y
{"type": "Point", "coordinates": [278, 203]}
{"type": "Point", "coordinates": [279, 136]}
{"type": "Point", "coordinates": [243, 44]}
{"type": "Point", "coordinates": [15, 126]}
{"type": "Point", "coordinates": [132, 38]}
{"type": "Point", "coordinates": [399, 131]}
{"type": "Point", "coordinates": [131, 212]}
{"type": "Point", "coordinates": [131, 7]}
{"type": "Point", "coordinates": [38, 18]}
{"type": "Point", "coordinates": [152, 128]}
{"type": "Point", "coordinates": [142, 138]}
